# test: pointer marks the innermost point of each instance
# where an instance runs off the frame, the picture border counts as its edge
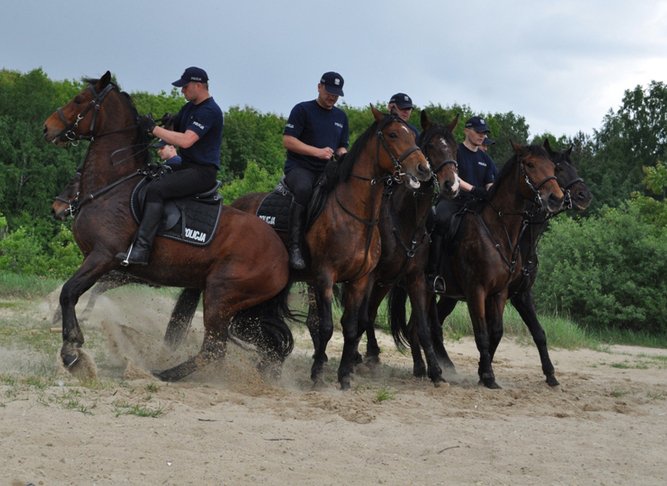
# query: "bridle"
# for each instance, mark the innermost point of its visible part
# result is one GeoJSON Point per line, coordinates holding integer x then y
{"type": "Point", "coordinates": [71, 132]}
{"type": "Point", "coordinates": [382, 141]}
{"type": "Point", "coordinates": [425, 144]}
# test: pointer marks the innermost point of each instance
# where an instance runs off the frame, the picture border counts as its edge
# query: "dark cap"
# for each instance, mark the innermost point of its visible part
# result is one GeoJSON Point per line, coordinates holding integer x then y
{"type": "Point", "coordinates": [159, 144]}
{"type": "Point", "coordinates": [402, 100]}
{"type": "Point", "coordinates": [478, 124]}
{"type": "Point", "coordinates": [333, 83]}
{"type": "Point", "coordinates": [488, 141]}
{"type": "Point", "coordinates": [198, 75]}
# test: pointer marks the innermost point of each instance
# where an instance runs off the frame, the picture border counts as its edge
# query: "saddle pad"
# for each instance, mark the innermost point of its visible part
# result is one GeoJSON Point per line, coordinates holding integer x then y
{"type": "Point", "coordinates": [190, 220]}
{"type": "Point", "coordinates": [274, 209]}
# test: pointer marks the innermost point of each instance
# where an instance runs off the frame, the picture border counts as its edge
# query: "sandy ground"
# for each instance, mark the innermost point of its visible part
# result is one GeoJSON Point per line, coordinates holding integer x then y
{"type": "Point", "coordinates": [606, 423]}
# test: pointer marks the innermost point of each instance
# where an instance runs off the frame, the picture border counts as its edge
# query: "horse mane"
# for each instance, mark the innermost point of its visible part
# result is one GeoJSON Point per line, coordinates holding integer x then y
{"type": "Point", "coordinates": [144, 139]}
{"type": "Point", "coordinates": [346, 164]}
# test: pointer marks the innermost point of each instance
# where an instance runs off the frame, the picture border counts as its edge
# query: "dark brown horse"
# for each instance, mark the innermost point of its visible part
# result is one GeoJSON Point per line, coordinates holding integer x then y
{"type": "Point", "coordinates": [243, 271]}
{"type": "Point", "coordinates": [405, 238]}
{"type": "Point", "coordinates": [486, 255]}
{"type": "Point", "coordinates": [343, 243]}
{"type": "Point", "coordinates": [578, 197]}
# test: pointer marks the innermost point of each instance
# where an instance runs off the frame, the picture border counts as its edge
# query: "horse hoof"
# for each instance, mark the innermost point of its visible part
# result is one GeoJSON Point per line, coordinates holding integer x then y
{"type": "Point", "coordinates": [490, 384]}
{"type": "Point", "coordinates": [552, 381]}
{"type": "Point", "coordinates": [165, 376]}
{"type": "Point", "coordinates": [70, 360]}
{"type": "Point", "coordinates": [345, 384]}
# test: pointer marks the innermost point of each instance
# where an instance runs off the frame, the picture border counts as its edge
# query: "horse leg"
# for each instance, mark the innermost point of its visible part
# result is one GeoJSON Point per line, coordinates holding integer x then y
{"type": "Point", "coordinates": [218, 313]}
{"type": "Point", "coordinates": [368, 324]}
{"type": "Point", "coordinates": [354, 301]}
{"type": "Point", "coordinates": [181, 317]}
{"type": "Point", "coordinates": [313, 321]}
{"type": "Point", "coordinates": [417, 292]}
{"type": "Point", "coordinates": [494, 320]}
{"type": "Point", "coordinates": [444, 307]}
{"type": "Point", "coordinates": [91, 270]}
{"type": "Point", "coordinates": [324, 295]}
{"type": "Point", "coordinates": [477, 312]}
{"type": "Point", "coordinates": [524, 304]}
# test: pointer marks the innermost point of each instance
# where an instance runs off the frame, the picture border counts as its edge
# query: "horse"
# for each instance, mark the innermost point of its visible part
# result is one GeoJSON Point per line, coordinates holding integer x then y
{"type": "Point", "coordinates": [243, 271]}
{"type": "Point", "coordinates": [405, 236]}
{"type": "Point", "coordinates": [578, 197]}
{"type": "Point", "coordinates": [485, 255]}
{"type": "Point", "coordinates": [343, 242]}
{"type": "Point", "coordinates": [65, 205]}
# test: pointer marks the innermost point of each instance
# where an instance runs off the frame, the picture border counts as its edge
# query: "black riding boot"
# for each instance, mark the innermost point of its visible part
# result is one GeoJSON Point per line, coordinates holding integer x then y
{"type": "Point", "coordinates": [435, 281]}
{"type": "Point", "coordinates": [140, 250]}
{"type": "Point", "coordinates": [296, 221]}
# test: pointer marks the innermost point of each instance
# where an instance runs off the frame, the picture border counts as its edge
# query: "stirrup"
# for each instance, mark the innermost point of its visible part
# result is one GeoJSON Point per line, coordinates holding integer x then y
{"type": "Point", "coordinates": [437, 284]}
{"type": "Point", "coordinates": [126, 261]}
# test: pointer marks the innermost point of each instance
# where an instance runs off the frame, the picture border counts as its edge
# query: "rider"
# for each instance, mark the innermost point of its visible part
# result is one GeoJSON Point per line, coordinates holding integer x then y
{"type": "Point", "coordinates": [401, 105]}
{"type": "Point", "coordinates": [315, 131]}
{"type": "Point", "coordinates": [198, 134]}
{"type": "Point", "coordinates": [168, 153]}
{"type": "Point", "coordinates": [477, 172]}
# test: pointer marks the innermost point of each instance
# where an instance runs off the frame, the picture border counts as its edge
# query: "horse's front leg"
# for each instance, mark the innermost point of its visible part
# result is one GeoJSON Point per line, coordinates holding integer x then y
{"type": "Point", "coordinates": [85, 277]}
{"type": "Point", "coordinates": [181, 317]}
{"type": "Point", "coordinates": [477, 311]}
{"type": "Point", "coordinates": [313, 320]}
{"type": "Point", "coordinates": [367, 323]}
{"type": "Point", "coordinates": [323, 298]}
{"type": "Point", "coordinates": [354, 301]}
{"type": "Point", "coordinates": [418, 299]}
{"type": "Point", "coordinates": [525, 306]}
{"type": "Point", "coordinates": [437, 315]}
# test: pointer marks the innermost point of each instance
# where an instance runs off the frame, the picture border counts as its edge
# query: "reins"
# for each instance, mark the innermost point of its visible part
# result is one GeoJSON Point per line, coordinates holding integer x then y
{"type": "Point", "coordinates": [388, 181]}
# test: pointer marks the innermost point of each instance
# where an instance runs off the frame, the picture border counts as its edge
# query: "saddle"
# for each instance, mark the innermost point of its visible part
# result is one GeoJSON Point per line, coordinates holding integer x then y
{"type": "Point", "coordinates": [193, 219]}
{"type": "Point", "coordinates": [274, 208]}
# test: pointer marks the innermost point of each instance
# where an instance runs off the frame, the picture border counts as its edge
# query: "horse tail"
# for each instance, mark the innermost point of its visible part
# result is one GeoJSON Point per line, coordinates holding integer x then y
{"type": "Point", "coordinates": [396, 309]}
{"type": "Point", "coordinates": [264, 326]}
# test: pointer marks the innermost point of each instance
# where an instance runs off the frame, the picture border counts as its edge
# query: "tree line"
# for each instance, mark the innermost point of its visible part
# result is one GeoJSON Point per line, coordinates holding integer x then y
{"type": "Point", "coordinates": [603, 268]}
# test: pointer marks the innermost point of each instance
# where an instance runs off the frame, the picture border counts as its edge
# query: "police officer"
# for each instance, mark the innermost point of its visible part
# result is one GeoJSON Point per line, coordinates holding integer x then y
{"type": "Point", "coordinates": [316, 130]}
{"type": "Point", "coordinates": [197, 132]}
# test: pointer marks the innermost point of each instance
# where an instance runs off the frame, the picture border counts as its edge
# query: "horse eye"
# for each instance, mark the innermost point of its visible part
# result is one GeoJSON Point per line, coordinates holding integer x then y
{"type": "Point", "coordinates": [393, 135]}
{"type": "Point", "coordinates": [77, 100]}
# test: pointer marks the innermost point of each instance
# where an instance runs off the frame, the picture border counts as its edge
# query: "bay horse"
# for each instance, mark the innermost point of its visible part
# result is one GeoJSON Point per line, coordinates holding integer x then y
{"type": "Point", "coordinates": [578, 197]}
{"type": "Point", "coordinates": [343, 243]}
{"type": "Point", "coordinates": [405, 236]}
{"type": "Point", "coordinates": [65, 205]}
{"type": "Point", "coordinates": [486, 256]}
{"type": "Point", "coordinates": [243, 271]}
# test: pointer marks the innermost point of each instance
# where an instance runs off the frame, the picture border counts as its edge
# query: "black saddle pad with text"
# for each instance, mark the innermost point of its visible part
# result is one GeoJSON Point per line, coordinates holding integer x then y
{"type": "Point", "coordinates": [192, 220]}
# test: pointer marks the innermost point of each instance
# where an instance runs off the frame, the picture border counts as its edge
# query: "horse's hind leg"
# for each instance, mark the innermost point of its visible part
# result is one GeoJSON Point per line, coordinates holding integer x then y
{"type": "Point", "coordinates": [181, 317]}
{"type": "Point", "coordinates": [525, 306]}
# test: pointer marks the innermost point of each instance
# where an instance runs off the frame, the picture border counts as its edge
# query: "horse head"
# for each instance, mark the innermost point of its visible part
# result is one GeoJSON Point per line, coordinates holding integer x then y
{"type": "Point", "coordinates": [577, 194]}
{"type": "Point", "coordinates": [64, 204]}
{"type": "Point", "coordinates": [86, 115]}
{"type": "Point", "coordinates": [539, 175]}
{"type": "Point", "coordinates": [439, 146]}
{"type": "Point", "coordinates": [400, 155]}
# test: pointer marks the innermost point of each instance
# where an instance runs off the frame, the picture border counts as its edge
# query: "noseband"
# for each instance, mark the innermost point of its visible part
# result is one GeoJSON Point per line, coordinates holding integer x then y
{"type": "Point", "coordinates": [70, 133]}
{"type": "Point", "coordinates": [536, 187]}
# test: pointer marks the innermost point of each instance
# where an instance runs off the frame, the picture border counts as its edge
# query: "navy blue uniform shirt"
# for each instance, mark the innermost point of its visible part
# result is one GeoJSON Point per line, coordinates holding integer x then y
{"type": "Point", "coordinates": [476, 168]}
{"type": "Point", "coordinates": [315, 126]}
{"type": "Point", "coordinates": [205, 119]}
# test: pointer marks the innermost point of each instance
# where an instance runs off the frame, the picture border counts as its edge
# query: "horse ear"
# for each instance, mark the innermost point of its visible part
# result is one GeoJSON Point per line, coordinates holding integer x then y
{"type": "Point", "coordinates": [104, 80]}
{"type": "Point", "coordinates": [453, 123]}
{"type": "Point", "coordinates": [547, 146]}
{"type": "Point", "coordinates": [515, 146]}
{"type": "Point", "coordinates": [376, 113]}
{"type": "Point", "coordinates": [568, 152]}
{"type": "Point", "coordinates": [425, 121]}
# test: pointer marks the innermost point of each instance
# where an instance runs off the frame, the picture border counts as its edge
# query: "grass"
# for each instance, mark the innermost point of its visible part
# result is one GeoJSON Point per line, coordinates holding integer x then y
{"type": "Point", "coordinates": [384, 394]}
{"type": "Point", "coordinates": [13, 285]}
{"type": "Point", "coordinates": [124, 408]}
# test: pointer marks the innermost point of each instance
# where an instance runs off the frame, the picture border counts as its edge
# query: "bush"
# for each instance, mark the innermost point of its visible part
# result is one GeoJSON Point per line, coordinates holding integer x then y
{"type": "Point", "coordinates": [23, 252]}
{"type": "Point", "coordinates": [607, 272]}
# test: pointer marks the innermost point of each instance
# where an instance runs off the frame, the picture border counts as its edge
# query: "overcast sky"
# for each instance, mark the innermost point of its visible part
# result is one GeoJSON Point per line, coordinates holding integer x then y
{"type": "Point", "coordinates": [561, 64]}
